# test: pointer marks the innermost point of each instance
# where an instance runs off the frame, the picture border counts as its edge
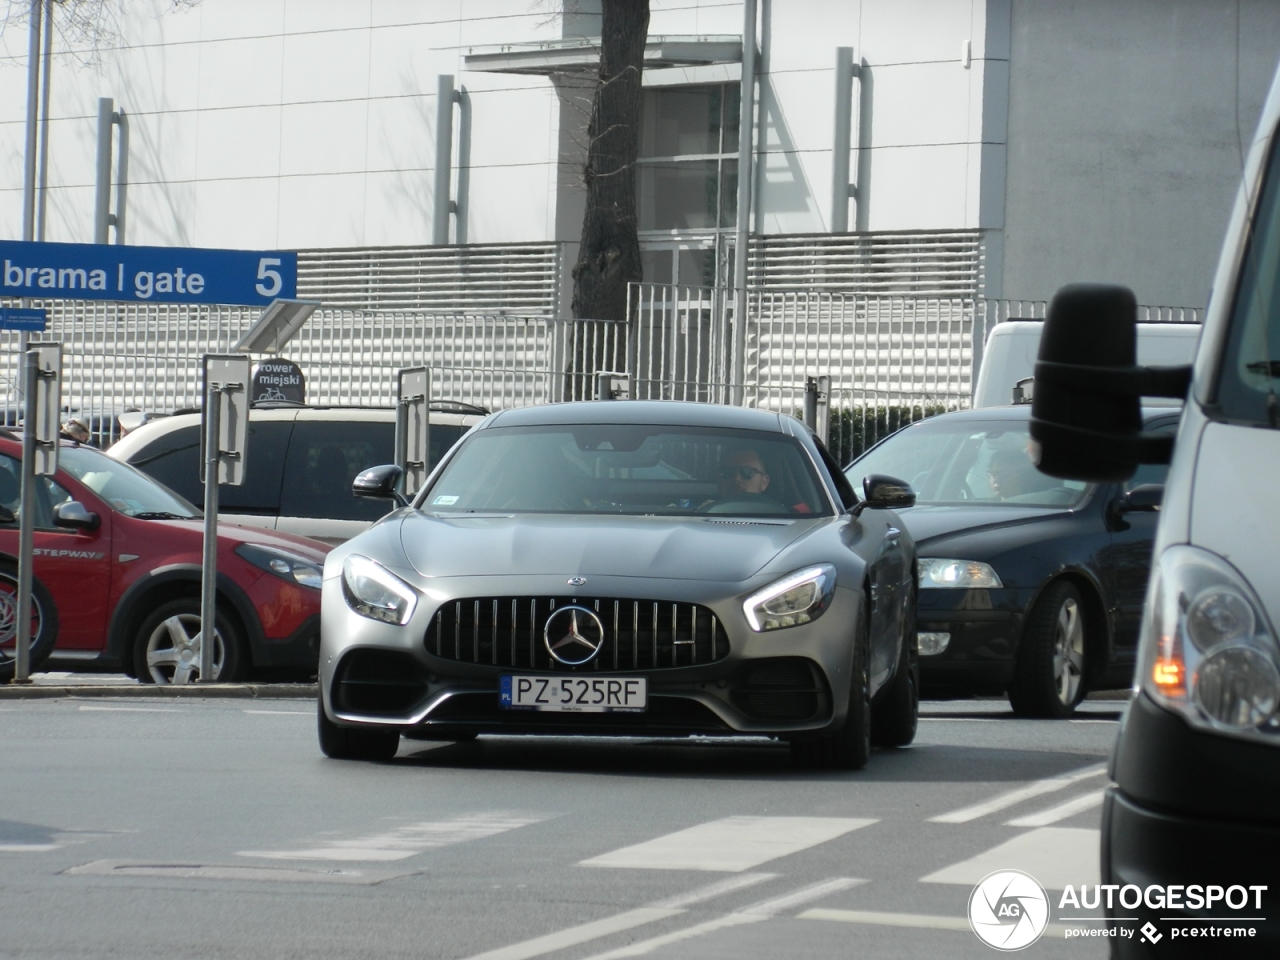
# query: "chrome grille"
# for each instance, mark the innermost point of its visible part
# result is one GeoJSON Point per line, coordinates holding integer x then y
{"type": "Point", "coordinates": [639, 634]}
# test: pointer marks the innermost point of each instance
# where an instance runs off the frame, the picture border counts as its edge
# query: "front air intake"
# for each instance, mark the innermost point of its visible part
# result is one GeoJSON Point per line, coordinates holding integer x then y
{"type": "Point", "coordinates": [378, 683]}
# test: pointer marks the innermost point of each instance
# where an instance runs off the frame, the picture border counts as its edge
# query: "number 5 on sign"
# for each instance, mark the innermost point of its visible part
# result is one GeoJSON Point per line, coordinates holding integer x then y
{"type": "Point", "coordinates": [274, 283]}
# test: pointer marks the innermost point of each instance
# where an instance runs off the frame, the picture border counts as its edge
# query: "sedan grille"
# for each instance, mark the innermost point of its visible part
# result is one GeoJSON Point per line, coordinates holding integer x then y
{"type": "Point", "coordinates": [638, 634]}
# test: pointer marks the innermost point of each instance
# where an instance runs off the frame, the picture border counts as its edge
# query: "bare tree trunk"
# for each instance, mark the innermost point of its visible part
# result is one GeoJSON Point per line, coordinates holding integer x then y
{"type": "Point", "coordinates": [609, 257]}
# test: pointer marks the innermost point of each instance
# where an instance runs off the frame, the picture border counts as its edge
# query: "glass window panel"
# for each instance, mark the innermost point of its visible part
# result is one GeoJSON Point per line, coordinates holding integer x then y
{"type": "Point", "coordinates": [678, 195]}
{"type": "Point", "coordinates": [655, 266]}
{"type": "Point", "coordinates": [697, 267]}
{"type": "Point", "coordinates": [729, 193]}
{"type": "Point", "coordinates": [324, 457]}
{"type": "Point", "coordinates": [681, 122]}
{"type": "Point", "coordinates": [732, 108]}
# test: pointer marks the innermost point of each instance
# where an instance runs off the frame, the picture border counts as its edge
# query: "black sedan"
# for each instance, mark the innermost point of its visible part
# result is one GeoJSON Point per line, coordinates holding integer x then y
{"type": "Point", "coordinates": [1029, 585]}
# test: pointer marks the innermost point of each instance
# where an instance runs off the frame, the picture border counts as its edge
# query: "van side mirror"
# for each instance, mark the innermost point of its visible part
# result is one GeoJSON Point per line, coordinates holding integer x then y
{"type": "Point", "coordinates": [379, 483]}
{"type": "Point", "coordinates": [883, 492]}
{"type": "Point", "coordinates": [1086, 415]}
{"type": "Point", "coordinates": [73, 515]}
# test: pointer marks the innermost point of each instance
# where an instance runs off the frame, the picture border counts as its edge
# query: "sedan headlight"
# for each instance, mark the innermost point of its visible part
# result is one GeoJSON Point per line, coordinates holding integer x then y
{"type": "Point", "coordinates": [935, 574]}
{"type": "Point", "coordinates": [285, 565]}
{"type": "Point", "coordinates": [373, 591]}
{"type": "Point", "coordinates": [1208, 651]}
{"type": "Point", "coordinates": [798, 598]}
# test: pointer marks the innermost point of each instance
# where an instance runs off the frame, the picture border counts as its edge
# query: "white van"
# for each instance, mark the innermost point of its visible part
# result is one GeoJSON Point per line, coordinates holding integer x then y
{"type": "Point", "coordinates": [1196, 800]}
{"type": "Point", "coordinates": [299, 464]}
{"type": "Point", "coordinates": [1009, 355]}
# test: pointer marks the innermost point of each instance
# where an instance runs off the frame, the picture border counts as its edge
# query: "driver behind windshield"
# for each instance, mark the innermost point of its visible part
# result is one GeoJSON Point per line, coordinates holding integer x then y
{"type": "Point", "coordinates": [1012, 476]}
{"type": "Point", "coordinates": [742, 474]}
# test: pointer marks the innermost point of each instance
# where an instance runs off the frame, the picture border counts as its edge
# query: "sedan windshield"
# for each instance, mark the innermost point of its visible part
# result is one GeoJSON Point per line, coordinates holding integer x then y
{"type": "Point", "coordinates": [127, 490]}
{"type": "Point", "coordinates": [628, 469]}
{"type": "Point", "coordinates": [962, 461]}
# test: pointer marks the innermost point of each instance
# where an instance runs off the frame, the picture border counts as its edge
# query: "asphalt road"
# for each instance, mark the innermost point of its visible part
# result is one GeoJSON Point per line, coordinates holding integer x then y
{"type": "Point", "coordinates": [214, 828]}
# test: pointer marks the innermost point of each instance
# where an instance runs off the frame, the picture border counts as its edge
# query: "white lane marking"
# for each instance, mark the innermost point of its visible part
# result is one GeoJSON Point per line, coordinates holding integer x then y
{"type": "Point", "coordinates": [281, 713]}
{"type": "Point", "coordinates": [731, 844]}
{"type": "Point", "coordinates": [1056, 856]}
{"type": "Point", "coordinates": [586, 932]}
{"type": "Point", "coordinates": [1063, 810]}
{"type": "Point", "coordinates": [712, 890]}
{"type": "Point", "coordinates": [919, 921]}
{"type": "Point", "coordinates": [752, 914]}
{"type": "Point", "coordinates": [29, 847]}
{"type": "Point", "coordinates": [406, 841]}
{"type": "Point", "coordinates": [1003, 800]}
{"type": "Point", "coordinates": [204, 871]}
{"type": "Point", "coordinates": [128, 710]}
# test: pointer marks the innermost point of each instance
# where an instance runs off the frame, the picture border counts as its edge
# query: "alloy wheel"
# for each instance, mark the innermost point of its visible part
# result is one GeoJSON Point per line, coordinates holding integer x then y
{"type": "Point", "coordinates": [1068, 652]}
{"type": "Point", "coordinates": [173, 650]}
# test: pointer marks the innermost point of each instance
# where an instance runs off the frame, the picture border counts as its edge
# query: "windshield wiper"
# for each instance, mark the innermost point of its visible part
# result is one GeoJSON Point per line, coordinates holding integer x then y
{"type": "Point", "coordinates": [1266, 368]}
{"type": "Point", "coordinates": [161, 515]}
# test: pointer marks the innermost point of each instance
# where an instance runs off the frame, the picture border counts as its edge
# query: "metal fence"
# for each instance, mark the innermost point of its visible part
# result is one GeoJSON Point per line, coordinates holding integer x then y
{"type": "Point", "coordinates": [890, 360]}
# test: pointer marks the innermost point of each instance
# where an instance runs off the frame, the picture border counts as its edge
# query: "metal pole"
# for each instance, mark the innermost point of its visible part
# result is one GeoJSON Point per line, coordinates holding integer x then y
{"type": "Point", "coordinates": [841, 140]}
{"type": "Point", "coordinates": [26, 520]}
{"type": "Point", "coordinates": [33, 90]}
{"type": "Point", "coordinates": [102, 192]}
{"type": "Point", "coordinates": [43, 204]}
{"type": "Point", "coordinates": [209, 564]}
{"type": "Point", "coordinates": [746, 143]}
{"type": "Point", "coordinates": [122, 174]}
{"type": "Point", "coordinates": [444, 158]}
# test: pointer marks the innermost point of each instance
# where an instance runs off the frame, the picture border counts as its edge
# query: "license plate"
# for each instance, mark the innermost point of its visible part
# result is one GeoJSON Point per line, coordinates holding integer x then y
{"type": "Point", "coordinates": [574, 694]}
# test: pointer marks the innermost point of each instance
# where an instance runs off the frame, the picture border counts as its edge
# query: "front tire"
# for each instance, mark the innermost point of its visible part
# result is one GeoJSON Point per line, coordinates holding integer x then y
{"type": "Point", "coordinates": [849, 748]}
{"type": "Point", "coordinates": [355, 743]}
{"type": "Point", "coordinates": [167, 646]}
{"type": "Point", "coordinates": [895, 717]}
{"type": "Point", "coordinates": [1049, 675]}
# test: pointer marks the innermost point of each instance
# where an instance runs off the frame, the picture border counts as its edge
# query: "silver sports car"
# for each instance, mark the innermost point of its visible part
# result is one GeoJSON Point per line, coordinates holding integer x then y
{"type": "Point", "coordinates": [626, 568]}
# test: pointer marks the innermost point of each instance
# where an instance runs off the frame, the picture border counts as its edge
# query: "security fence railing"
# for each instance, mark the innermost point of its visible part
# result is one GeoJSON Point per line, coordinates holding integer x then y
{"type": "Point", "coordinates": [890, 360]}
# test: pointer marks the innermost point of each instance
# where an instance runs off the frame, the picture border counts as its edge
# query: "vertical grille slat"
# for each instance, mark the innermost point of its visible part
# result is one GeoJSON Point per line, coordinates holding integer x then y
{"type": "Point", "coordinates": [669, 627]}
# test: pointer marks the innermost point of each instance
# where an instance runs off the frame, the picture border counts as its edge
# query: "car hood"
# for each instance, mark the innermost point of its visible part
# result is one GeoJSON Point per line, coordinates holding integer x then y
{"type": "Point", "coordinates": [677, 548]}
{"type": "Point", "coordinates": [926, 522]}
{"type": "Point", "coordinates": [230, 532]}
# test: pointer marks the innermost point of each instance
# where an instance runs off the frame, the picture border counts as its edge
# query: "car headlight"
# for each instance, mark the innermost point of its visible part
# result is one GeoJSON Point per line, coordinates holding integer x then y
{"type": "Point", "coordinates": [936, 574]}
{"type": "Point", "coordinates": [1207, 650]}
{"type": "Point", "coordinates": [285, 565]}
{"type": "Point", "coordinates": [797, 598]}
{"type": "Point", "coordinates": [373, 591]}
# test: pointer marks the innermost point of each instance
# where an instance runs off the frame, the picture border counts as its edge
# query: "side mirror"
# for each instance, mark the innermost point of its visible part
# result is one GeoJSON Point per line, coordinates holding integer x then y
{"type": "Point", "coordinates": [379, 483]}
{"type": "Point", "coordinates": [885, 493]}
{"type": "Point", "coordinates": [1086, 417]}
{"type": "Point", "coordinates": [72, 515]}
{"type": "Point", "coordinates": [1147, 496]}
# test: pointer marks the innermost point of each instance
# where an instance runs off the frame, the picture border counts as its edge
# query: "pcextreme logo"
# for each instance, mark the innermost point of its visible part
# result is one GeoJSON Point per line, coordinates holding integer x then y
{"type": "Point", "coordinates": [1008, 910]}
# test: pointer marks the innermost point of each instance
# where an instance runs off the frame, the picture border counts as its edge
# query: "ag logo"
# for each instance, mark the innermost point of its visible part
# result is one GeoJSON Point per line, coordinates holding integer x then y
{"type": "Point", "coordinates": [1008, 910]}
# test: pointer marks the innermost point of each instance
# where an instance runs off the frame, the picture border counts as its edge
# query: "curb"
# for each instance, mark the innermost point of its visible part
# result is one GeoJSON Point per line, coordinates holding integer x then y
{"type": "Point", "coordinates": [238, 691]}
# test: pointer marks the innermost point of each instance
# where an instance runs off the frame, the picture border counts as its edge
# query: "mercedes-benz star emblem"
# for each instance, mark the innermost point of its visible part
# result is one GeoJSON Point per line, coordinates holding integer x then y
{"type": "Point", "coordinates": [576, 581]}
{"type": "Point", "coordinates": [573, 635]}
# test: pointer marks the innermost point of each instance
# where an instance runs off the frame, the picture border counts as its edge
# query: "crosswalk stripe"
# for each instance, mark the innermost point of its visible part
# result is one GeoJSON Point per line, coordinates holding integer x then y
{"type": "Point", "coordinates": [407, 840]}
{"type": "Point", "coordinates": [919, 921]}
{"type": "Point", "coordinates": [1055, 856]}
{"type": "Point", "coordinates": [95, 709]}
{"type": "Point", "coordinates": [586, 932]}
{"type": "Point", "coordinates": [1004, 800]}
{"type": "Point", "coordinates": [1063, 810]}
{"type": "Point", "coordinates": [752, 914]}
{"type": "Point", "coordinates": [731, 844]}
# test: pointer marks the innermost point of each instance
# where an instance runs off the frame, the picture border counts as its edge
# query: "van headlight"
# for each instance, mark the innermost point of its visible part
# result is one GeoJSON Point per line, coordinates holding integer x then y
{"type": "Point", "coordinates": [797, 598]}
{"type": "Point", "coordinates": [1208, 651]}
{"type": "Point", "coordinates": [373, 591]}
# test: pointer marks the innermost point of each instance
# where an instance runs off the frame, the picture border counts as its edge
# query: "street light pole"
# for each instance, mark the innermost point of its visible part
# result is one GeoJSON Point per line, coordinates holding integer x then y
{"type": "Point", "coordinates": [29, 165]}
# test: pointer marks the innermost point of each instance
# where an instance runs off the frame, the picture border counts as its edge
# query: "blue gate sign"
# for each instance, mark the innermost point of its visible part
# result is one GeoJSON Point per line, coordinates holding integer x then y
{"type": "Point", "coordinates": [11, 318]}
{"type": "Point", "coordinates": [94, 271]}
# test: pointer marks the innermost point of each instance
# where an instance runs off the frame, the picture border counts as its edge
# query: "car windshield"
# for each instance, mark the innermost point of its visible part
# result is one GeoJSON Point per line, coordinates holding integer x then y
{"type": "Point", "coordinates": [628, 469]}
{"type": "Point", "coordinates": [1249, 379]}
{"type": "Point", "coordinates": [126, 489]}
{"type": "Point", "coordinates": [963, 461]}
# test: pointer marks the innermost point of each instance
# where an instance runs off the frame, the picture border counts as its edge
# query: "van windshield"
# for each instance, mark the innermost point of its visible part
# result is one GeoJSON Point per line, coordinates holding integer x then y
{"type": "Point", "coordinates": [1248, 382]}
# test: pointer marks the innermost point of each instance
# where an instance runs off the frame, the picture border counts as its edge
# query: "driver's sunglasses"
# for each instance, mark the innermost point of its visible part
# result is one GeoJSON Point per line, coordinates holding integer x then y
{"type": "Point", "coordinates": [744, 474]}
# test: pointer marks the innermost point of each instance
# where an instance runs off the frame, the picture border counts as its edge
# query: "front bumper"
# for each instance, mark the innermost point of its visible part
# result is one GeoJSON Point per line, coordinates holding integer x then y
{"type": "Point", "coordinates": [793, 681]}
{"type": "Point", "coordinates": [984, 626]}
{"type": "Point", "coordinates": [1191, 807]}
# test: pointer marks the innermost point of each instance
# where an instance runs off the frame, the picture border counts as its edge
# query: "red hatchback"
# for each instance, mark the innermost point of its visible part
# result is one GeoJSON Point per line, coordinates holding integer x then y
{"type": "Point", "coordinates": [117, 576]}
